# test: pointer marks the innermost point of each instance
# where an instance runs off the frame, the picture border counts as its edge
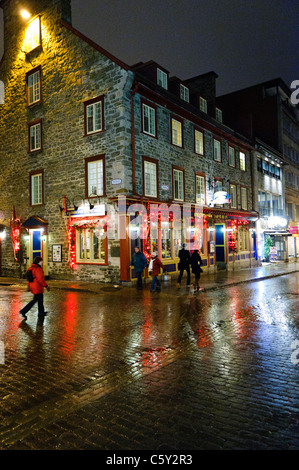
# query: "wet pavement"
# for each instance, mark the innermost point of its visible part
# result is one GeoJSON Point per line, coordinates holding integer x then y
{"type": "Point", "coordinates": [114, 368]}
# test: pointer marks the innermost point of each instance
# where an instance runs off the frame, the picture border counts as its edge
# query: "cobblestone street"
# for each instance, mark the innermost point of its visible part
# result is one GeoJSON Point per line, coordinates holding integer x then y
{"type": "Point", "coordinates": [128, 370]}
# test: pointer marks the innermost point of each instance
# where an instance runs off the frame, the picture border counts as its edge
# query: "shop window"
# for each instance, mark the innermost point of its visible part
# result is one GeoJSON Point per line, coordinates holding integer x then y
{"type": "Point", "coordinates": [94, 115]}
{"type": "Point", "coordinates": [166, 240]}
{"type": "Point", "coordinates": [148, 119]}
{"type": "Point", "coordinates": [176, 132]}
{"type": "Point", "coordinates": [178, 184]}
{"type": "Point", "coordinates": [95, 176]}
{"type": "Point", "coordinates": [90, 246]}
{"type": "Point", "coordinates": [36, 188]}
{"type": "Point", "coordinates": [150, 178]}
{"type": "Point", "coordinates": [35, 136]}
{"type": "Point", "coordinates": [33, 82]}
{"type": "Point", "coordinates": [198, 139]}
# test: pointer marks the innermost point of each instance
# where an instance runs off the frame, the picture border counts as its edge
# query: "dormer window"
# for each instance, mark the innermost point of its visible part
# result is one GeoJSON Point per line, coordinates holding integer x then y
{"type": "Point", "coordinates": [184, 93]}
{"type": "Point", "coordinates": [203, 106]}
{"type": "Point", "coordinates": [162, 78]}
{"type": "Point", "coordinates": [218, 115]}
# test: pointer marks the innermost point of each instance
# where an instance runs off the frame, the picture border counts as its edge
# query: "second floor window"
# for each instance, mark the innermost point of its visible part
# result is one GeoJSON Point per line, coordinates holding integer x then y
{"type": "Point", "coordinates": [36, 188]}
{"type": "Point", "coordinates": [95, 176]}
{"type": "Point", "coordinates": [150, 178]}
{"type": "Point", "coordinates": [242, 161]}
{"type": "Point", "coordinates": [217, 150]}
{"type": "Point", "coordinates": [244, 202]}
{"type": "Point", "coordinates": [200, 189]}
{"type": "Point", "coordinates": [148, 120]}
{"type": "Point", "coordinates": [33, 80]}
{"type": "Point", "coordinates": [233, 196]}
{"type": "Point", "coordinates": [231, 157]}
{"type": "Point", "coordinates": [94, 115]}
{"type": "Point", "coordinates": [198, 137]}
{"type": "Point", "coordinates": [35, 136]}
{"type": "Point", "coordinates": [176, 133]}
{"type": "Point", "coordinates": [178, 184]}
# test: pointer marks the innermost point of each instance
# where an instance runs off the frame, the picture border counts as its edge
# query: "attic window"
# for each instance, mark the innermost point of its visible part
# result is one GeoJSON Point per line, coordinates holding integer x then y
{"type": "Point", "coordinates": [184, 93]}
{"type": "Point", "coordinates": [33, 35]}
{"type": "Point", "coordinates": [162, 78]}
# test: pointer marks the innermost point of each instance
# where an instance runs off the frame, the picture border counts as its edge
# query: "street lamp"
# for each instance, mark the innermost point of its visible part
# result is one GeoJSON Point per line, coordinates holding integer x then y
{"type": "Point", "coordinates": [25, 14]}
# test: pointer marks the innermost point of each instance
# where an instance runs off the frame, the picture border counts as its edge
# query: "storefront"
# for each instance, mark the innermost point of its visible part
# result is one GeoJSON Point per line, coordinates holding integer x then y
{"type": "Point", "coordinates": [272, 232]}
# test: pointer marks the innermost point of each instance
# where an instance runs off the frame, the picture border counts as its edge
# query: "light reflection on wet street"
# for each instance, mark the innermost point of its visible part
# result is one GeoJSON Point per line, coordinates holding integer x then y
{"type": "Point", "coordinates": [169, 370]}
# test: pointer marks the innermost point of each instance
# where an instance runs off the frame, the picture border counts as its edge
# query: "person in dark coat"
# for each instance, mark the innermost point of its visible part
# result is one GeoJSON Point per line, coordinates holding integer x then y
{"type": "Point", "coordinates": [184, 264]}
{"type": "Point", "coordinates": [195, 266]}
{"type": "Point", "coordinates": [37, 288]}
{"type": "Point", "coordinates": [139, 262]}
{"type": "Point", "coordinates": [154, 270]}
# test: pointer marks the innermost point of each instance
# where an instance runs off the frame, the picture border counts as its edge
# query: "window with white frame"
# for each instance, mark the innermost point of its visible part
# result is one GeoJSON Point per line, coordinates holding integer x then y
{"type": "Point", "coordinates": [176, 132]}
{"type": "Point", "coordinates": [33, 87]}
{"type": "Point", "coordinates": [200, 189]}
{"type": "Point", "coordinates": [217, 150]}
{"type": "Point", "coordinates": [94, 115]}
{"type": "Point", "coordinates": [198, 137]}
{"type": "Point", "coordinates": [90, 245]}
{"type": "Point", "coordinates": [150, 178]}
{"type": "Point", "coordinates": [148, 119]}
{"type": "Point", "coordinates": [218, 185]}
{"type": "Point", "coordinates": [162, 78]}
{"type": "Point", "coordinates": [95, 176]}
{"type": "Point", "coordinates": [203, 106]}
{"type": "Point", "coordinates": [35, 136]}
{"type": "Point", "coordinates": [36, 188]}
{"type": "Point", "coordinates": [244, 201]}
{"type": "Point", "coordinates": [184, 93]}
{"type": "Point", "coordinates": [178, 184]}
{"type": "Point", "coordinates": [233, 196]}
{"type": "Point", "coordinates": [231, 156]}
{"type": "Point", "coordinates": [242, 161]}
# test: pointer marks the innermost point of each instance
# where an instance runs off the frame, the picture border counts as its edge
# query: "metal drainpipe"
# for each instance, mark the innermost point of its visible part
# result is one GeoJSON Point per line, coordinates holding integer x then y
{"type": "Point", "coordinates": [133, 139]}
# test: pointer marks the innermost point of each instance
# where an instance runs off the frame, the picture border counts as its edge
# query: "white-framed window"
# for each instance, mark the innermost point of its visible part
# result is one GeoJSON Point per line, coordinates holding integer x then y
{"type": "Point", "coordinates": [33, 87]}
{"type": "Point", "coordinates": [148, 119]}
{"type": "Point", "coordinates": [200, 189]}
{"type": "Point", "coordinates": [218, 185]}
{"type": "Point", "coordinates": [94, 115]}
{"type": "Point", "coordinates": [150, 178]}
{"type": "Point", "coordinates": [233, 196]}
{"type": "Point", "coordinates": [198, 138]}
{"type": "Point", "coordinates": [184, 93]}
{"type": "Point", "coordinates": [176, 132]}
{"type": "Point", "coordinates": [217, 150]}
{"type": "Point", "coordinates": [178, 184]}
{"type": "Point", "coordinates": [242, 161]}
{"type": "Point", "coordinates": [36, 188]}
{"type": "Point", "coordinates": [35, 136]}
{"type": "Point", "coordinates": [90, 245]}
{"type": "Point", "coordinates": [162, 78]}
{"type": "Point", "coordinates": [203, 105]}
{"type": "Point", "coordinates": [219, 115]}
{"type": "Point", "coordinates": [95, 168]}
{"type": "Point", "coordinates": [231, 156]}
{"type": "Point", "coordinates": [32, 35]}
{"type": "Point", "coordinates": [244, 199]}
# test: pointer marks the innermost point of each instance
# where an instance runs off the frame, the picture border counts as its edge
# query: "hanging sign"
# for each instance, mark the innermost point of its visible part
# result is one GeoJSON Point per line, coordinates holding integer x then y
{"type": "Point", "coordinates": [221, 197]}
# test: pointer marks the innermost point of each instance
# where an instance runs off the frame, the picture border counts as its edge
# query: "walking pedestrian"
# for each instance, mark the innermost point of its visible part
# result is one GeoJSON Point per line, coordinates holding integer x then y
{"type": "Point", "coordinates": [139, 262]}
{"type": "Point", "coordinates": [37, 288]}
{"type": "Point", "coordinates": [195, 266]}
{"type": "Point", "coordinates": [184, 265]}
{"type": "Point", "coordinates": [154, 270]}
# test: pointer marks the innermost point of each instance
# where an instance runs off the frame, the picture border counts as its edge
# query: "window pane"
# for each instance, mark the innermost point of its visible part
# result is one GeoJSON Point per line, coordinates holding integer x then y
{"type": "Point", "coordinates": [94, 117]}
{"type": "Point", "coordinates": [178, 185]}
{"type": "Point", "coordinates": [149, 123]}
{"type": "Point", "coordinates": [176, 132]}
{"type": "Point", "coordinates": [232, 161]}
{"type": "Point", "coordinates": [217, 151]}
{"type": "Point", "coordinates": [150, 179]}
{"type": "Point", "coordinates": [242, 161]}
{"type": "Point", "coordinates": [200, 189]}
{"type": "Point", "coordinates": [233, 196]}
{"type": "Point", "coordinates": [96, 178]}
{"type": "Point", "coordinates": [36, 189]}
{"type": "Point", "coordinates": [199, 142]}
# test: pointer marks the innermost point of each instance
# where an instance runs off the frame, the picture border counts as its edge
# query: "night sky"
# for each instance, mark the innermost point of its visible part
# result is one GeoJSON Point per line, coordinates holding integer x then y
{"type": "Point", "coordinates": [244, 41]}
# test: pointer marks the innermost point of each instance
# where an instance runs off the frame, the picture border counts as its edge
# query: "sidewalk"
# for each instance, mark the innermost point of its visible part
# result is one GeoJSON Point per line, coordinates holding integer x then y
{"type": "Point", "coordinates": [208, 281]}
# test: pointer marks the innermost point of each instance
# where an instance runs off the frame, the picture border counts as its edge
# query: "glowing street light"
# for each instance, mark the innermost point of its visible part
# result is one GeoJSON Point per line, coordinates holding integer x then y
{"type": "Point", "coordinates": [25, 14]}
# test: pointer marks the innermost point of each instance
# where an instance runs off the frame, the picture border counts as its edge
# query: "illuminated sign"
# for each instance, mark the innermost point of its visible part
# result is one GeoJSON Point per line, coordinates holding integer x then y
{"type": "Point", "coordinates": [221, 197]}
{"type": "Point", "coordinates": [277, 222]}
{"type": "Point", "coordinates": [85, 211]}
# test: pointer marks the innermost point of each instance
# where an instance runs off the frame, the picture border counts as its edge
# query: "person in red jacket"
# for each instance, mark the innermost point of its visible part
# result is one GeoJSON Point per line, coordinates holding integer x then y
{"type": "Point", "coordinates": [37, 288]}
{"type": "Point", "coordinates": [154, 270]}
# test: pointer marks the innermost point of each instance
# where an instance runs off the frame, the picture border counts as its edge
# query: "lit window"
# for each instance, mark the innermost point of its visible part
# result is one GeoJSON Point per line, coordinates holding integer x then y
{"type": "Point", "coordinates": [203, 105]}
{"type": "Point", "coordinates": [231, 157]}
{"type": "Point", "coordinates": [233, 196]}
{"type": "Point", "coordinates": [184, 93]}
{"type": "Point", "coordinates": [35, 136]}
{"type": "Point", "coordinates": [200, 189]}
{"type": "Point", "coordinates": [177, 135]}
{"type": "Point", "coordinates": [244, 203]}
{"type": "Point", "coordinates": [36, 188]}
{"type": "Point", "coordinates": [217, 150]}
{"type": "Point", "coordinates": [91, 245]}
{"type": "Point", "coordinates": [178, 185]}
{"type": "Point", "coordinates": [95, 176]}
{"type": "Point", "coordinates": [162, 78]}
{"type": "Point", "coordinates": [150, 178]}
{"type": "Point", "coordinates": [94, 115]}
{"type": "Point", "coordinates": [242, 161]}
{"type": "Point", "coordinates": [198, 142]}
{"type": "Point", "coordinates": [33, 87]}
{"type": "Point", "coordinates": [32, 35]}
{"type": "Point", "coordinates": [148, 120]}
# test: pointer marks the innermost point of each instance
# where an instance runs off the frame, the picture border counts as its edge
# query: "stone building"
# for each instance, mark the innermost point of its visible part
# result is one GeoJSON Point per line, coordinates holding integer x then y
{"type": "Point", "coordinates": [90, 144]}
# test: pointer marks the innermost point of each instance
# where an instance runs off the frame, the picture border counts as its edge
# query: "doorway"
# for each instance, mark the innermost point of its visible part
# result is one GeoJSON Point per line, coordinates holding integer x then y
{"type": "Point", "coordinates": [220, 250]}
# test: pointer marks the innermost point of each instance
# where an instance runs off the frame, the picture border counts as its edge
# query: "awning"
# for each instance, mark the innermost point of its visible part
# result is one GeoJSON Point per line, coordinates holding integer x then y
{"type": "Point", "coordinates": [35, 222]}
{"type": "Point", "coordinates": [277, 234]}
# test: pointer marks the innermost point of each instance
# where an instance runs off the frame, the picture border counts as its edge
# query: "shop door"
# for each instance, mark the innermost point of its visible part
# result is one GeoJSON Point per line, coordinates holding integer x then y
{"type": "Point", "coordinates": [220, 244]}
{"type": "Point", "coordinates": [38, 247]}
